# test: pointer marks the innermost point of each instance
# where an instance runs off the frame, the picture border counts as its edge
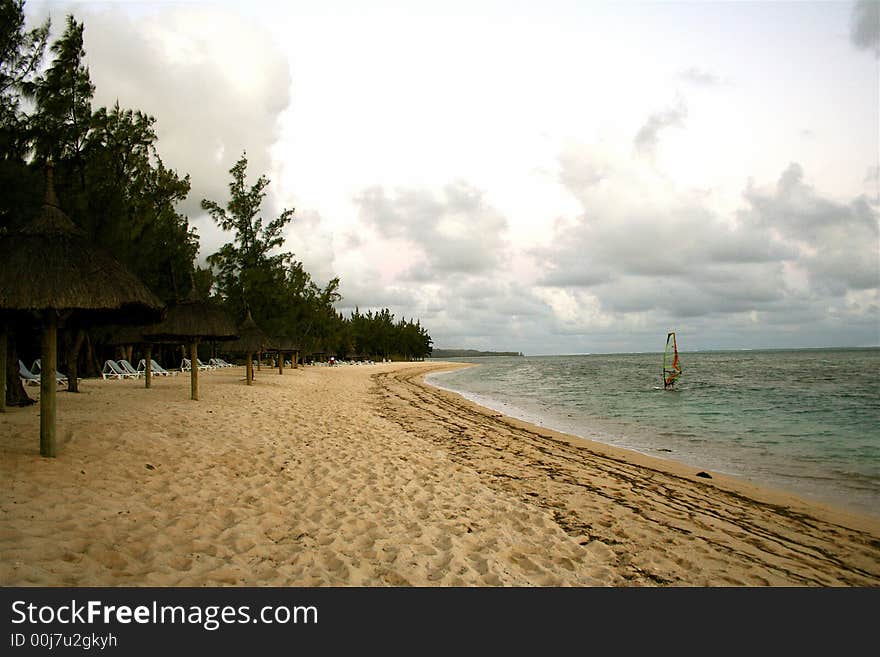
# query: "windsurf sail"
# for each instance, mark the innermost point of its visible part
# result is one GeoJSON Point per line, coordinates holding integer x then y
{"type": "Point", "coordinates": [671, 363]}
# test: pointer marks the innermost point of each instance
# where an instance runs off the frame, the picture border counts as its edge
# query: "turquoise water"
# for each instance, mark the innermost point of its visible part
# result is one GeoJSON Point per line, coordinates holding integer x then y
{"type": "Point", "coordinates": [806, 421]}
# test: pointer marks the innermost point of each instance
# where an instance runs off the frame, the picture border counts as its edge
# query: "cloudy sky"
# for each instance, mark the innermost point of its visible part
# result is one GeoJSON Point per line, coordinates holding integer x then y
{"type": "Point", "coordinates": [546, 177]}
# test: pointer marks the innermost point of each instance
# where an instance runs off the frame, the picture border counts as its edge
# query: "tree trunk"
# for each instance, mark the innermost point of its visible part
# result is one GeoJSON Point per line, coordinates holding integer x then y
{"type": "Point", "coordinates": [48, 363]}
{"type": "Point", "coordinates": [249, 369]}
{"type": "Point", "coordinates": [16, 395]}
{"type": "Point", "coordinates": [93, 367]}
{"type": "Point", "coordinates": [73, 360]}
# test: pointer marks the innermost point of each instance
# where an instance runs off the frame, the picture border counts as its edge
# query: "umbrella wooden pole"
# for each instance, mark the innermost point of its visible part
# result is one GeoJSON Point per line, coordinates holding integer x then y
{"type": "Point", "coordinates": [281, 362]}
{"type": "Point", "coordinates": [2, 367]}
{"type": "Point", "coordinates": [259, 361]}
{"type": "Point", "coordinates": [194, 369]}
{"type": "Point", "coordinates": [48, 363]}
{"type": "Point", "coordinates": [249, 369]}
{"type": "Point", "coordinates": [148, 366]}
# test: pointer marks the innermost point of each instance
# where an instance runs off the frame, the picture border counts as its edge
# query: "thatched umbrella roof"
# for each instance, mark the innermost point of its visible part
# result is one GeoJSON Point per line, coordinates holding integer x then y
{"type": "Point", "coordinates": [251, 337]}
{"type": "Point", "coordinates": [50, 268]}
{"type": "Point", "coordinates": [50, 264]}
{"type": "Point", "coordinates": [285, 343]}
{"type": "Point", "coordinates": [190, 321]}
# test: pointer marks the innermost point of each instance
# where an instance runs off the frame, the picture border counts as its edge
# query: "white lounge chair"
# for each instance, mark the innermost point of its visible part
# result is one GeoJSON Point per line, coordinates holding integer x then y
{"type": "Point", "coordinates": [204, 366]}
{"type": "Point", "coordinates": [219, 362]}
{"type": "Point", "coordinates": [186, 365]}
{"type": "Point", "coordinates": [155, 368]}
{"type": "Point", "coordinates": [112, 370]}
{"type": "Point", "coordinates": [37, 370]}
{"type": "Point", "coordinates": [27, 377]}
{"type": "Point", "coordinates": [128, 367]}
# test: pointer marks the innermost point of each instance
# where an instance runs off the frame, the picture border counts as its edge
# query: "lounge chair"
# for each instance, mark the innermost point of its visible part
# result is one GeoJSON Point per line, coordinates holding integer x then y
{"type": "Point", "coordinates": [112, 370]}
{"type": "Point", "coordinates": [155, 368]}
{"type": "Point", "coordinates": [219, 362]}
{"type": "Point", "coordinates": [186, 365]}
{"type": "Point", "coordinates": [37, 370]}
{"type": "Point", "coordinates": [204, 366]}
{"type": "Point", "coordinates": [128, 367]}
{"type": "Point", "coordinates": [27, 377]}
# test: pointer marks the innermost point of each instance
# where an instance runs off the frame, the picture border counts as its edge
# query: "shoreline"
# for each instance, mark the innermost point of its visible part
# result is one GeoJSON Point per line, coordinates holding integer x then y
{"type": "Point", "coordinates": [368, 476]}
{"type": "Point", "coordinates": [742, 483]}
{"type": "Point", "coordinates": [751, 524]}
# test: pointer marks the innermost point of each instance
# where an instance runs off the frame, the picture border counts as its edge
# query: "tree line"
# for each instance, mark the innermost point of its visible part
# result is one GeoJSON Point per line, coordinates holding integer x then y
{"type": "Point", "coordinates": [111, 181]}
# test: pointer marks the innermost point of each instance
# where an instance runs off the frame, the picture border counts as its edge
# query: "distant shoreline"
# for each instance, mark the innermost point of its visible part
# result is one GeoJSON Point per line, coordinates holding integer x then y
{"type": "Point", "coordinates": [440, 354]}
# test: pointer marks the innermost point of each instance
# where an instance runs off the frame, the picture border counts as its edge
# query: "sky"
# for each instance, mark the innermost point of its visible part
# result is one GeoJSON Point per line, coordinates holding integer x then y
{"type": "Point", "coordinates": [546, 177]}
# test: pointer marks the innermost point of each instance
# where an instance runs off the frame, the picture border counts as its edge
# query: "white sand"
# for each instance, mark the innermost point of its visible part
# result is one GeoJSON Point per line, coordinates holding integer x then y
{"type": "Point", "coordinates": [364, 476]}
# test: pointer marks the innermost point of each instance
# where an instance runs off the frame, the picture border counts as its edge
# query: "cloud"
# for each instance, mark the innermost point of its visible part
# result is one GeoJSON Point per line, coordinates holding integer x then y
{"type": "Point", "coordinates": [865, 26]}
{"type": "Point", "coordinates": [836, 242]}
{"type": "Point", "coordinates": [213, 80]}
{"type": "Point", "coordinates": [615, 244]}
{"type": "Point", "coordinates": [455, 231]}
{"type": "Point", "coordinates": [663, 255]}
{"type": "Point", "coordinates": [700, 77]}
{"type": "Point", "coordinates": [647, 137]}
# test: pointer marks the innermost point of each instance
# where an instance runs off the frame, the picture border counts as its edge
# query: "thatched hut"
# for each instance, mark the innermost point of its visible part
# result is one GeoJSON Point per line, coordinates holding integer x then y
{"type": "Point", "coordinates": [51, 270]}
{"type": "Point", "coordinates": [251, 340]}
{"type": "Point", "coordinates": [188, 322]}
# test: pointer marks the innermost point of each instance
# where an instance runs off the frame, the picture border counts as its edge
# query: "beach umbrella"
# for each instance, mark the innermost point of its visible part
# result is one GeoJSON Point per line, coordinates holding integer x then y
{"type": "Point", "coordinates": [189, 322]}
{"type": "Point", "coordinates": [285, 344]}
{"type": "Point", "coordinates": [251, 339]}
{"type": "Point", "coordinates": [50, 269]}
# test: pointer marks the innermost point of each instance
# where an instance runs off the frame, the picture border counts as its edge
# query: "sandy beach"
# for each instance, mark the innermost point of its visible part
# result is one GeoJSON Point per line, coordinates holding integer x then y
{"type": "Point", "coordinates": [363, 475]}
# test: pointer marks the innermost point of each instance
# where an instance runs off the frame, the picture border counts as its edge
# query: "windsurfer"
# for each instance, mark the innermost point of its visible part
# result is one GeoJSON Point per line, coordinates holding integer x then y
{"type": "Point", "coordinates": [671, 364]}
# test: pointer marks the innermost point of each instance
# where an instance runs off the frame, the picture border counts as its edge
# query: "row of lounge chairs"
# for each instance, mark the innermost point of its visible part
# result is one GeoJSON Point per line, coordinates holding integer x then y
{"type": "Point", "coordinates": [31, 377]}
{"type": "Point", "coordinates": [122, 369]}
{"type": "Point", "coordinates": [212, 364]}
{"type": "Point", "coordinates": [118, 369]}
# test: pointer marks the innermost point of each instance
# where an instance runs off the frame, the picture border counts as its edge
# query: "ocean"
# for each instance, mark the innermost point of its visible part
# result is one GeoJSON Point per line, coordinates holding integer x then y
{"type": "Point", "coordinates": [805, 421]}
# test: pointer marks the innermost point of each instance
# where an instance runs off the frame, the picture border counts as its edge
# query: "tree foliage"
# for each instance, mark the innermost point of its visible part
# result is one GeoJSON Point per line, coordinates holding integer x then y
{"type": "Point", "coordinates": [250, 270]}
{"type": "Point", "coordinates": [20, 56]}
{"type": "Point", "coordinates": [112, 183]}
